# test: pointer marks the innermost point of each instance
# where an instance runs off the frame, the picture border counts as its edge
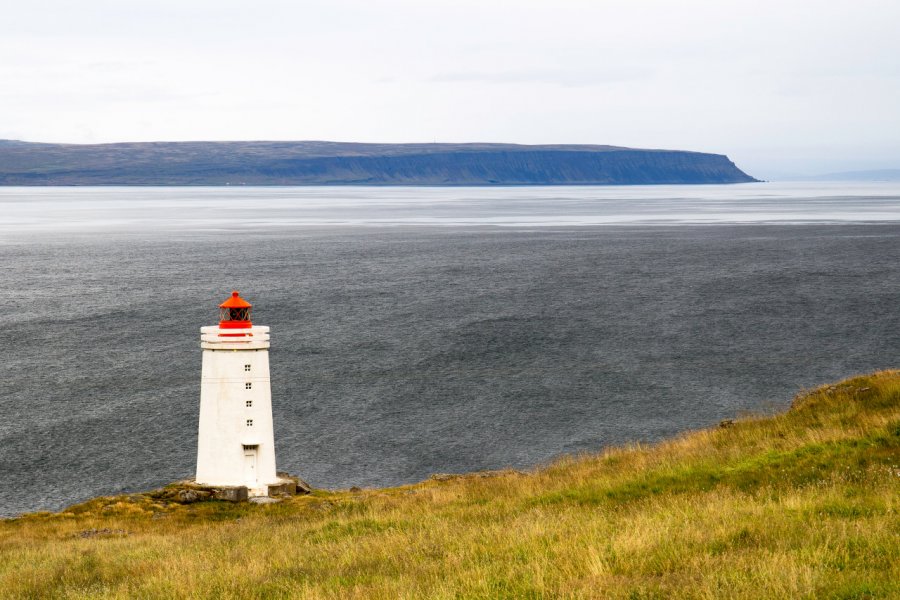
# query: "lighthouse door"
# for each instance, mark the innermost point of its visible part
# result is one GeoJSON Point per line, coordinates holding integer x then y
{"type": "Point", "coordinates": [250, 465]}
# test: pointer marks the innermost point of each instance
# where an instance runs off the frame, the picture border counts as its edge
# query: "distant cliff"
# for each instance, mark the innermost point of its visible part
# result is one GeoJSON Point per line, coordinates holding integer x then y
{"type": "Point", "coordinates": [335, 163]}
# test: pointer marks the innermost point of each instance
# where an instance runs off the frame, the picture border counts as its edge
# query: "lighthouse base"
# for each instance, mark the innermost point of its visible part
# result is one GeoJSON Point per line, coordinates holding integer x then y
{"type": "Point", "coordinates": [260, 489]}
{"type": "Point", "coordinates": [189, 491]}
{"type": "Point", "coordinates": [258, 492]}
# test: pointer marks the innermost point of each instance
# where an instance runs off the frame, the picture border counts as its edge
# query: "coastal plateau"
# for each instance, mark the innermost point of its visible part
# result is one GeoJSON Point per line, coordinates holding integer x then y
{"type": "Point", "coordinates": [337, 163]}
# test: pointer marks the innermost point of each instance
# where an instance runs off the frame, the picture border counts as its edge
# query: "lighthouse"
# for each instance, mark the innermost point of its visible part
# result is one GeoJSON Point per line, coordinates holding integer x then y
{"type": "Point", "coordinates": [236, 441]}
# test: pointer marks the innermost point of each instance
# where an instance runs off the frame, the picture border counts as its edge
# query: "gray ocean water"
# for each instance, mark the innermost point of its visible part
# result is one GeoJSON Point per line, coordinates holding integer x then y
{"type": "Point", "coordinates": [423, 330]}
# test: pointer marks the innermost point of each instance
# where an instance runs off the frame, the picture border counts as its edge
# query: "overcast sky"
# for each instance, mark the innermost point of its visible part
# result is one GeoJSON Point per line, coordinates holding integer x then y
{"type": "Point", "coordinates": [782, 86]}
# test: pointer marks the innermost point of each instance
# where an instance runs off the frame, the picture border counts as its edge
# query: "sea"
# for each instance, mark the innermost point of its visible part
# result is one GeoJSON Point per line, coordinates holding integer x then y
{"type": "Point", "coordinates": [426, 330]}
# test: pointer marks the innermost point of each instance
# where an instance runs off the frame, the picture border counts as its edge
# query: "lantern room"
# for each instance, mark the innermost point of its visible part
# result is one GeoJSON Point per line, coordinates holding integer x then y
{"type": "Point", "coordinates": [234, 313]}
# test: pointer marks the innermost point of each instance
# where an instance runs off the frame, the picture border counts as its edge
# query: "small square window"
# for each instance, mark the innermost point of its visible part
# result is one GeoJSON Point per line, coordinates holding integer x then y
{"type": "Point", "coordinates": [246, 367]}
{"type": "Point", "coordinates": [248, 385]}
{"type": "Point", "coordinates": [249, 403]}
{"type": "Point", "coordinates": [249, 422]}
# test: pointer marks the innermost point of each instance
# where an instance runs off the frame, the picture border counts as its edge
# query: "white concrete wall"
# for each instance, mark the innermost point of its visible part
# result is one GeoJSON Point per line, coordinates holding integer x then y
{"type": "Point", "coordinates": [224, 413]}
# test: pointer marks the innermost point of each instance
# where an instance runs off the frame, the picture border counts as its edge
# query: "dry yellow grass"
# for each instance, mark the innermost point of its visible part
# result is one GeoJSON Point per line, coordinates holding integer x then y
{"type": "Point", "coordinates": [800, 505]}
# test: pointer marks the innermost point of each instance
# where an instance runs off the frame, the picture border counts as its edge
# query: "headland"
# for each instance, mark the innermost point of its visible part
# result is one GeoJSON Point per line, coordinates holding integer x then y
{"type": "Point", "coordinates": [338, 163]}
{"type": "Point", "coordinates": [802, 504]}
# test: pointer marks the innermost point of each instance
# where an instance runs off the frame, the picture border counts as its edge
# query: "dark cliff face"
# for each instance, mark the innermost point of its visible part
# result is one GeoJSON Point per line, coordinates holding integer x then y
{"type": "Point", "coordinates": [331, 163]}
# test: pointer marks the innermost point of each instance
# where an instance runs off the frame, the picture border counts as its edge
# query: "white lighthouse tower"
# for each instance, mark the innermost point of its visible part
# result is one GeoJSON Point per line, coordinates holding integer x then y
{"type": "Point", "coordinates": [236, 442]}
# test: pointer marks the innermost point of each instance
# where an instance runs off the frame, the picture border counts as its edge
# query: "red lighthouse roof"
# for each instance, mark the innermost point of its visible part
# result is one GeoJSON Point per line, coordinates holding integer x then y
{"type": "Point", "coordinates": [234, 313]}
{"type": "Point", "coordinates": [235, 302]}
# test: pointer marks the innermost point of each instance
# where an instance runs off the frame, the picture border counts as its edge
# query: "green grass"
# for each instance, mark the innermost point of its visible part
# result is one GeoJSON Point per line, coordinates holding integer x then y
{"type": "Point", "coordinates": [799, 505]}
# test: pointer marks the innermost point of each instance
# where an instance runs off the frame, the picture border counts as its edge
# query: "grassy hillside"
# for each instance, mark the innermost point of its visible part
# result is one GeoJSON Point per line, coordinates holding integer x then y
{"type": "Point", "coordinates": [800, 505]}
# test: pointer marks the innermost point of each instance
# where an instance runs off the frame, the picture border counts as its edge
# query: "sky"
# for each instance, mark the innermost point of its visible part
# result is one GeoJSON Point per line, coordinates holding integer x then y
{"type": "Point", "coordinates": [783, 88]}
